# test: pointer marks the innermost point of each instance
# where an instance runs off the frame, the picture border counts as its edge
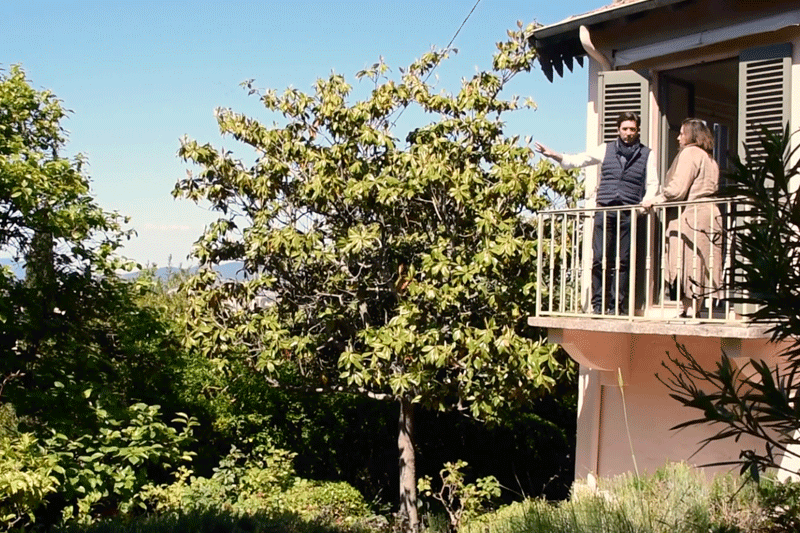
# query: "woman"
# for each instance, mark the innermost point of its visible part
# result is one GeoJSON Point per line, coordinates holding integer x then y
{"type": "Point", "coordinates": [694, 254]}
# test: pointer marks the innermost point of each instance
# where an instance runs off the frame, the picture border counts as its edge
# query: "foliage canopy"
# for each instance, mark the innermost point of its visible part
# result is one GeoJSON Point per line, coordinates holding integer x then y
{"type": "Point", "coordinates": [390, 268]}
{"type": "Point", "coordinates": [393, 264]}
{"type": "Point", "coordinates": [78, 354]}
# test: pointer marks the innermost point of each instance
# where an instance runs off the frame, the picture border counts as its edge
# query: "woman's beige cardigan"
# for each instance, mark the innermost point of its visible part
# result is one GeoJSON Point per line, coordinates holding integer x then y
{"type": "Point", "coordinates": [694, 251]}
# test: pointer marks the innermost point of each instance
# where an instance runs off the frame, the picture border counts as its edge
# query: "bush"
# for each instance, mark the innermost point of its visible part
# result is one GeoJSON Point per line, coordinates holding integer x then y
{"type": "Point", "coordinates": [103, 474]}
{"type": "Point", "coordinates": [26, 473]}
{"type": "Point", "coordinates": [676, 499]}
{"type": "Point", "coordinates": [781, 504]}
{"type": "Point", "coordinates": [461, 500]}
{"type": "Point", "coordinates": [332, 502]}
{"type": "Point", "coordinates": [60, 478]}
{"type": "Point", "coordinates": [260, 482]}
{"type": "Point", "coordinates": [214, 522]}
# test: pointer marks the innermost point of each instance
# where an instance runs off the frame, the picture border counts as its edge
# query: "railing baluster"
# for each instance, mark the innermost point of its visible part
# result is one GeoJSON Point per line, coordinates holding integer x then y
{"type": "Point", "coordinates": [648, 261]}
{"type": "Point", "coordinates": [665, 268]}
{"type": "Point", "coordinates": [570, 229]}
{"type": "Point", "coordinates": [679, 260]}
{"type": "Point", "coordinates": [552, 264]}
{"type": "Point", "coordinates": [712, 240]}
{"type": "Point", "coordinates": [727, 271]}
{"type": "Point", "coordinates": [695, 279]}
{"type": "Point", "coordinates": [633, 217]}
{"type": "Point", "coordinates": [539, 237]}
{"type": "Point", "coordinates": [562, 297]}
{"type": "Point", "coordinates": [574, 270]}
{"type": "Point", "coordinates": [603, 264]}
{"type": "Point", "coordinates": [617, 268]}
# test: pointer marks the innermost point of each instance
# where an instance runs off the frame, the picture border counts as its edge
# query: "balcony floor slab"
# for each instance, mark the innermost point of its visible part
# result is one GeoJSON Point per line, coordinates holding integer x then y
{"type": "Point", "coordinates": [638, 326]}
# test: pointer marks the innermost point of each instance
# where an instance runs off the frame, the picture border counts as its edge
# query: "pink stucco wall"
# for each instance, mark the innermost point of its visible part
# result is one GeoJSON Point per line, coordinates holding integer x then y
{"type": "Point", "coordinates": [603, 446]}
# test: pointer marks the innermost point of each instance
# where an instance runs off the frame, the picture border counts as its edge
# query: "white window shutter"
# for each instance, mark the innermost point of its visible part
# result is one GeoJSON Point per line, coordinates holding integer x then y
{"type": "Point", "coordinates": [622, 91]}
{"type": "Point", "coordinates": [764, 99]}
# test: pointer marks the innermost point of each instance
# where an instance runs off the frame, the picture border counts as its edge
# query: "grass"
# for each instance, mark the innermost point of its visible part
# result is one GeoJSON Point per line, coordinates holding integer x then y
{"type": "Point", "coordinates": [676, 499]}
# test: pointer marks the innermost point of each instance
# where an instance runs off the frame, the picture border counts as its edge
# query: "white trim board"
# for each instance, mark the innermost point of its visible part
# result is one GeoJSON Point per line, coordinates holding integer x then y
{"type": "Point", "coordinates": [705, 38]}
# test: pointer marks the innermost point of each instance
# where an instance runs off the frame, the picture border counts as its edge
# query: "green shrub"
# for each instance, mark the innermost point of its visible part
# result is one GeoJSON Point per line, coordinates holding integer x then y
{"type": "Point", "coordinates": [327, 501]}
{"type": "Point", "coordinates": [461, 500]}
{"type": "Point", "coordinates": [781, 504]}
{"type": "Point", "coordinates": [242, 483]}
{"type": "Point", "coordinates": [103, 473]}
{"type": "Point", "coordinates": [262, 481]}
{"type": "Point", "coordinates": [213, 522]}
{"type": "Point", "coordinates": [26, 473]}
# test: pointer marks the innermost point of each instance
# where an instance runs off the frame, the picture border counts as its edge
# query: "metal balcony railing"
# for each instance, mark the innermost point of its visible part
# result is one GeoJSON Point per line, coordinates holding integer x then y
{"type": "Point", "coordinates": [677, 250]}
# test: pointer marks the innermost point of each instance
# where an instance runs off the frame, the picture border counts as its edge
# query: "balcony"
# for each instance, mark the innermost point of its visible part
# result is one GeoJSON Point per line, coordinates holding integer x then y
{"type": "Point", "coordinates": [621, 352]}
{"type": "Point", "coordinates": [564, 261]}
{"type": "Point", "coordinates": [695, 241]}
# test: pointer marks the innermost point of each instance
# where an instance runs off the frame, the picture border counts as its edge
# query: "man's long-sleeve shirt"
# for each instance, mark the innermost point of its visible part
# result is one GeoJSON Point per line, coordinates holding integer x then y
{"type": "Point", "coordinates": [596, 155]}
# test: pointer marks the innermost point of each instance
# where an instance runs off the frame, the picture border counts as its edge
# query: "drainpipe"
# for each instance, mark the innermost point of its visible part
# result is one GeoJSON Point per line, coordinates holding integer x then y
{"type": "Point", "coordinates": [593, 395]}
{"type": "Point", "coordinates": [586, 41]}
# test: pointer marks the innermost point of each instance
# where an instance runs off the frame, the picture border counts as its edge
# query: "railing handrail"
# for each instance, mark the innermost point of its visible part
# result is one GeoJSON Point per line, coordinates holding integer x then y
{"type": "Point", "coordinates": [706, 200]}
{"type": "Point", "coordinates": [564, 259]}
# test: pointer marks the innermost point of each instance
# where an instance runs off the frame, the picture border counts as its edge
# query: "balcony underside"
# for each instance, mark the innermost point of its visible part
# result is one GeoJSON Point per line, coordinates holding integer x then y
{"type": "Point", "coordinates": [679, 327]}
{"type": "Point", "coordinates": [612, 345]}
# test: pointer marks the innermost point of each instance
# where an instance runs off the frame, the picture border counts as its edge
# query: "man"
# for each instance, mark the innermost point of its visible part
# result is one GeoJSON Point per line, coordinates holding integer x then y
{"type": "Point", "coordinates": [628, 176]}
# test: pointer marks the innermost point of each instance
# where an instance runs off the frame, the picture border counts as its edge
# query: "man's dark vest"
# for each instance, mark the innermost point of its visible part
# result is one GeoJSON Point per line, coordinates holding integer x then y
{"type": "Point", "coordinates": [622, 186]}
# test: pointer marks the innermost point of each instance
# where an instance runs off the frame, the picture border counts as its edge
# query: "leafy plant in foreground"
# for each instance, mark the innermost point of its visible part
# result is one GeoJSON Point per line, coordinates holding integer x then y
{"type": "Point", "coordinates": [260, 482]}
{"type": "Point", "coordinates": [461, 500]}
{"type": "Point", "coordinates": [27, 473]}
{"type": "Point", "coordinates": [758, 399]}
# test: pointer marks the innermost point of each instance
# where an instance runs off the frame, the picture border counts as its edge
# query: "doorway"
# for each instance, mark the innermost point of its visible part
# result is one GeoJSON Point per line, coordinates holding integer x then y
{"type": "Point", "coordinates": [707, 91]}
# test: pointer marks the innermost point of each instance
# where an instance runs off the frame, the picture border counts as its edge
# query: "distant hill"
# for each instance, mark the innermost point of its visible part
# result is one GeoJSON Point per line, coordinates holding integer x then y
{"type": "Point", "coordinates": [227, 271]}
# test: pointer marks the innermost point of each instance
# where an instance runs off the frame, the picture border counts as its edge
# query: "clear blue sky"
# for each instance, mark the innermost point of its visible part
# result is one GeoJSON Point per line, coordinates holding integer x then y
{"type": "Point", "coordinates": [139, 75]}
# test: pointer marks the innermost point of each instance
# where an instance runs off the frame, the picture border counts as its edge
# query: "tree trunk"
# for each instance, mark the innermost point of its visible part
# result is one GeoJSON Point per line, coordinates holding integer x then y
{"type": "Point", "coordinates": [408, 471]}
{"type": "Point", "coordinates": [40, 278]}
{"type": "Point", "coordinates": [40, 262]}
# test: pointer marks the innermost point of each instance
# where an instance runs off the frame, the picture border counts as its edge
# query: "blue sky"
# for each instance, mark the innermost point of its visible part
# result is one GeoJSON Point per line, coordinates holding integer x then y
{"type": "Point", "coordinates": [139, 75]}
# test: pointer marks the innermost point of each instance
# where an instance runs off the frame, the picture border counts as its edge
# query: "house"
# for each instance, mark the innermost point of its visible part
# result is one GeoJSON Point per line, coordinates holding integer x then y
{"type": "Point", "coordinates": [734, 64]}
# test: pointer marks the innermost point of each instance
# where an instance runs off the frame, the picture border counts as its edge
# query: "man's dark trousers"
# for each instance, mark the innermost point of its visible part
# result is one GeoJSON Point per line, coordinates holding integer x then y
{"type": "Point", "coordinates": [613, 244]}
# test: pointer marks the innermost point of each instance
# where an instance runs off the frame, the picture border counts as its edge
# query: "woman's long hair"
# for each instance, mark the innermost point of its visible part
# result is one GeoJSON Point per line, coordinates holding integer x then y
{"type": "Point", "coordinates": [699, 134]}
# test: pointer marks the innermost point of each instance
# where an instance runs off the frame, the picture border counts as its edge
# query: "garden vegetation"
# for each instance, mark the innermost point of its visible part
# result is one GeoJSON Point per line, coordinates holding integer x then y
{"type": "Point", "coordinates": [386, 277]}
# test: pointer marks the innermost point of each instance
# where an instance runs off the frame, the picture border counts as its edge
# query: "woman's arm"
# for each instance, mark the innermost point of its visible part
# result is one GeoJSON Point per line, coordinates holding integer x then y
{"type": "Point", "coordinates": [680, 176]}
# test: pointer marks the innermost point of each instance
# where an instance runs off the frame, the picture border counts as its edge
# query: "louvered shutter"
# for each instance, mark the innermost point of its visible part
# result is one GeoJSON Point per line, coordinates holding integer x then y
{"type": "Point", "coordinates": [621, 91]}
{"type": "Point", "coordinates": [764, 99]}
{"type": "Point", "coordinates": [764, 76]}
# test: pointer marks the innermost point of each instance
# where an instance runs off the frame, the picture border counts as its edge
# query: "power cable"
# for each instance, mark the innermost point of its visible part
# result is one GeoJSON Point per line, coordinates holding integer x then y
{"type": "Point", "coordinates": [394, 122]}
{"type": "Point", "coordinates": [456, 34]}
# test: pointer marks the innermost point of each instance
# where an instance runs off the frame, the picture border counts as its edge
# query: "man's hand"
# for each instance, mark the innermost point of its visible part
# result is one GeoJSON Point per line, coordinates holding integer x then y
{"type": "Point", "coordinates": [547, 152]}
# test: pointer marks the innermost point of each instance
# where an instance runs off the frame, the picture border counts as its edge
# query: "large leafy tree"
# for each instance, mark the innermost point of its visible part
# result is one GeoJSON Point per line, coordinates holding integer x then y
{"type": "Point", "coordinates": [387, 263]}
{"type": "Point", "coordinates": [80, 355]}
{"type": "Point", "coordinates": [44, 193]}
{"type": "Point", "coordinates": [48, 221]}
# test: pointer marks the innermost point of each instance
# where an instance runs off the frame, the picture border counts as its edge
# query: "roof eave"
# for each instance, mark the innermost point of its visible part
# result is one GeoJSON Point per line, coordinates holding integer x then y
{"type": "Point", "coordinates": [557, 45]}
{"type": "Point", "coordinates": [604, 14]}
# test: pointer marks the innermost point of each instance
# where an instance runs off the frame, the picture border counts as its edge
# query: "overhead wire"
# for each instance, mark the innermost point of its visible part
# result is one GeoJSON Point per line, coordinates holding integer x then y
{"type": "Point", "coordinates": [456, 34]}
{"type": "Point", "coordinates": [394, 122]}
